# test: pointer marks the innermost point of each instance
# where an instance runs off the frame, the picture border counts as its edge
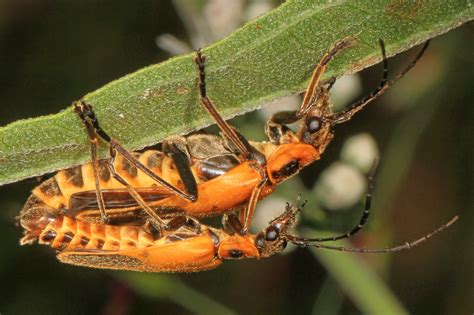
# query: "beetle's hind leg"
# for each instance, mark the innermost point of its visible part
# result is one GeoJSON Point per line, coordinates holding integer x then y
{"type": "Point", "coordinates": [94, 143]}
{"type": "Point", "coordinates": [157, 222]}
{"type": "Point", "coordinates": [229, 132]}
{"type": "Point", "coordinates": [94, 130]}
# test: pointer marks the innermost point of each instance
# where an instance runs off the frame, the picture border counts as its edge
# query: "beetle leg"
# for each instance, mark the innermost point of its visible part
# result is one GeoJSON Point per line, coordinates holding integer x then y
{"type": "Point", "coordinates": [193, 225]}
{"type": "Point", "coordinates": [312, 92]}
{"type": "Point", "coordinates": [174, 224]}
{"type": "Point", "coordinates": [232, 223]}
{"type": "Point", "coordinates": [247, 214]}
{"type": "Point", "coordinates": [86, 113]}
{"type": "Point", "coordinates": [276, 128]}
{"type": "Point", "coordinates": [157, 221]}
{"type": "Point", "coordinates": [150, 228]}
{"type": "Point", "coordinates": [184, 221]}
{"type": "Point", "coordinates": [254, 153]}
{"type": "Point", "coordinates": [183, 166]}
{"type": "Point", "coordinates": [329, 83]}
{"type": "Point", "coordinates": [94, 142]}
{"type": "Point", "coordinates": [208, 105]}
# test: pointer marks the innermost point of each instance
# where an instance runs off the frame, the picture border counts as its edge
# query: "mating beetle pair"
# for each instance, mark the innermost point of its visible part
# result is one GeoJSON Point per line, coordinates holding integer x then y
{"type": "Point", "coordinates": [160, 193]}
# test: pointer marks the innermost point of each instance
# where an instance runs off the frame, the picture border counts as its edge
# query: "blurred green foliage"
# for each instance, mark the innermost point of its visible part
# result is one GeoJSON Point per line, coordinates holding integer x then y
{"type": "Point", "coordinates": [50, 52]}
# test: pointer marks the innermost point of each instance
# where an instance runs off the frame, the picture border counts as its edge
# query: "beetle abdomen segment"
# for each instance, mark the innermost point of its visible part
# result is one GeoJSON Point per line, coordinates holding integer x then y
{"type": "Point", "coordinates": [65, 233]}
{"type": "Point", "coordinates": [34, 217]}
{"type": "Point", "coordinates": [56, 192]}
{"type": "Point", "coordinates": [50, 193]}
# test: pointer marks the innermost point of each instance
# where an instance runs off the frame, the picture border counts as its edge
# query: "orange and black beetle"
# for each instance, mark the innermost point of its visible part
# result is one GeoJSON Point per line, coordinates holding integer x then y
{"type": "Point", "coordinates": [190, 248]}
{"type": "Point", "coordinates": [200, 175]}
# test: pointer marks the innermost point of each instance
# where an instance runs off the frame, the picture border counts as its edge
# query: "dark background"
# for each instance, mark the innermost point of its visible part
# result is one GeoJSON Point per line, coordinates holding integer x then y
{"type": "Point", "coordinates": [52, 52]}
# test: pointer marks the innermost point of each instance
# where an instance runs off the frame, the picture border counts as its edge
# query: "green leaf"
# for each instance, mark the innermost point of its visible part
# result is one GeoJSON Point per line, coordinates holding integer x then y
{"type": "Point", "coordinates": [268, 58]}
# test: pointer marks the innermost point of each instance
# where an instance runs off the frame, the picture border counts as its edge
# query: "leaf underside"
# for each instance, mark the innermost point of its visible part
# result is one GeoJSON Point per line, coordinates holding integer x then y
{"type": "Point", "coordinates": [268, 58]}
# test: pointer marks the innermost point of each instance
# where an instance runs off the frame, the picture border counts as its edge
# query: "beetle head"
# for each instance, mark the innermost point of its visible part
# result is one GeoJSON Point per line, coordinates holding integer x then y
{"type": "Point", "coordinates": [316, 127]}
{"type": "Point", "coordinates": [296, 150]}
{"type": "Point", "coordinates": [273, 239]}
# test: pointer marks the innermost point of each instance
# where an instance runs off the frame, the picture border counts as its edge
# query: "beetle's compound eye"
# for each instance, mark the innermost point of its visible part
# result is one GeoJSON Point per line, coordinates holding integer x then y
{"type": "Point", "coordinates": [272, 234]}
{"type": "Point", "coordinates": [313, 124]}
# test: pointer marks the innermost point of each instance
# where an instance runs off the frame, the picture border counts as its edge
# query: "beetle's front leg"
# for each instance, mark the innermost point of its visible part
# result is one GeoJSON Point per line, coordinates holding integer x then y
{"type": "Point", "coordinates": [190, 225]}
{"type": "Point", "coordinates": [276, 128]}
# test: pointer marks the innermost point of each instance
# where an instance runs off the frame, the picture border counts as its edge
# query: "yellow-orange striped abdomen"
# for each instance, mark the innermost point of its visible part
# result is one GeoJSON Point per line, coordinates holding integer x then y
{"type": "Point", "coordinates": [65, 233]}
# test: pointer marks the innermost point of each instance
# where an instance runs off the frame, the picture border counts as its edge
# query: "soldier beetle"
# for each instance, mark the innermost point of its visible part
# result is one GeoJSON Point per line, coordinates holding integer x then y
{"type": "Point", "coordinates": [190, 248]}
{"type": "Point", "coordinates": [202, 175]}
